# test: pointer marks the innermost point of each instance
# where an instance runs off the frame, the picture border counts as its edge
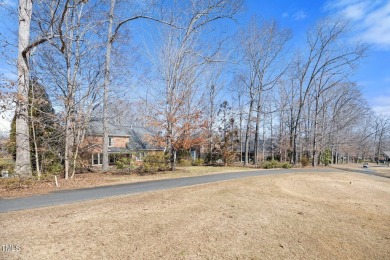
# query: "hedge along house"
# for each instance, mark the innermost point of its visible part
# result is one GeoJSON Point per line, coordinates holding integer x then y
{"type": "Point", "coordinates": [123, 141]}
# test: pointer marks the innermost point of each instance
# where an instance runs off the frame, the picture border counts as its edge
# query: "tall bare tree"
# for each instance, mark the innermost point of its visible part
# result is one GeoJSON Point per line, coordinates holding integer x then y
{"type": "Point", "coordinates": [381, 126]}
{"type": "Point", "coordinates": [68, 68]}
{"type": "Point", "coordinates": [327, 52]}
{"type": "Point", "coordinates": [263, 44]}
{"type": "Point", "coordinates": [182, 58]}
{"type": "Point", "coordinates": [23, 163]}
{"type": "Point", "coordinates": [143, 12]}
{"type": "Point", "coordinates": [45, 26]}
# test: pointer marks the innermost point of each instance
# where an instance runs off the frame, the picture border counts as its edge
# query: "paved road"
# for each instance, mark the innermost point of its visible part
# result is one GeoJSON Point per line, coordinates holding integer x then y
{"type": "Point", "coordinates": [71, 196]}
{"type": "Point", "coordinates": [361, 170]}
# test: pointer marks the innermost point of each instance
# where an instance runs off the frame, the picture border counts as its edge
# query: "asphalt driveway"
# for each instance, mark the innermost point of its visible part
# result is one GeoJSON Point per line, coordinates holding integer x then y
{"type": "Point", "coordinates": [71, 196]}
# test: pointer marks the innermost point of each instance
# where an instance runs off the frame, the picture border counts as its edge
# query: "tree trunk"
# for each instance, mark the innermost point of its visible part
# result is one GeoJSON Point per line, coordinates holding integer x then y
{"type": "Point", "coordinates": [34, 137]}
{"type": "Point", "coordinates": [105, 165]}
{"type": "Point", "coordinates": [291, 119]}
{"type": "Point", "coordinates": [314, 162]}
{"type": "Point", "coordinates": [74, 162]}
{"type": "Point", "coordinates": [70, 125]}
{"type": "Point", "coordinates": [68, 144]}
{"type": "Point", "coordinates": [263, 146]}
{"type": "Point", "coordinates": [23, 161]}
{"type": "Point", "coordinates": [295, 152]}
{"type": "Point", "coordinates": [241, 150]}
{"type": "Point", "coordinates": [272, 142]}
{"type": "Point", "coordinates": [212, 97]}
{"type": "Point", "coordinates": [170, 147]}
{"type": "Point", "coordinates": [257, 129]}
{"type": "Point", "coordinates": [246, 162]}
{"type": "Point", "coordinates": [78, 140]}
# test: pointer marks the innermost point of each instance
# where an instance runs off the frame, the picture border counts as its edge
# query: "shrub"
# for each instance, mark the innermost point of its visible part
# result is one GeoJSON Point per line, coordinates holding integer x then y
{"type": "Point", "coordinates": [275, 164]}
{"type": "Point", "coordinates": [54, 168]}
{"type": "Point", "coordinates": [271, 164]}
{"type": "Point", "coordinates": [326, 157]}
{"type": "Point", "coordinates": [184, 162]}
{"type": "Point", "coordinates": [212, 158]}
{"type": "Point", "coordinates": [304, 161]}
{"type": "Point", "coordinates": [125, 164]}
{"type": "Point", "coordinates": [198, 162]}
{"type": "Point", "coordinates": [154, 162]}
{"type": "Point", "coordinates": [286, 165]}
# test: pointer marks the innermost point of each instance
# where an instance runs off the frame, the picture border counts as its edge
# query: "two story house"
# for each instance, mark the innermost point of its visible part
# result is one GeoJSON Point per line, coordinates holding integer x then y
{"type": "Point", "coordinates": [123, 141]}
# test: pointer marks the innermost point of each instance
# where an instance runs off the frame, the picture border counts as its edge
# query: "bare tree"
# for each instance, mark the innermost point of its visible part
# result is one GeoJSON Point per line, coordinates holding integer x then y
{"type": "Point", "coordinates": [263, 43]}
{"type": "Point", "coordinates": [112, 33]}
{"type": "Point", "coordinates": [70, 72]}
{"type": "Point", "coordinates": [110, 40]}
{"type": "Point", "coordinates": [45, 25]}
{"type": "Point", "coordinates": [283, 106]}
{"type": "Point", "coordinates": [326, 53]}
{"type": "Point", "coordinates": [23, 163]}
{"type": "Point", "coordinates": [182, 59]}
{"type": "Point", "coordinates": [381, 126]}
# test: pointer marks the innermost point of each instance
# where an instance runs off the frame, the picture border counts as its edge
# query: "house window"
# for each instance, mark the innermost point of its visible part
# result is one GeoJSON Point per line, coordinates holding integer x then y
{"type": "Point", "coordinates": [140, 156]}
{"type": "Point", "coordinates": [97, 158]}
{"type": "Point", "coordinates": [110, 141]}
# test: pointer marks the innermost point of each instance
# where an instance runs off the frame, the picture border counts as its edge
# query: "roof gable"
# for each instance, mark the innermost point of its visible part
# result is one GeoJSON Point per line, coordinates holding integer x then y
{"type": "Point", "coordinates": [137, 135]}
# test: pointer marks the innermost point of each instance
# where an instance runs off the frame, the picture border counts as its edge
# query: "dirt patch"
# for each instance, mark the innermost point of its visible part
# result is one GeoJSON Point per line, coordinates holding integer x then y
{"type": "Point", "coordinates": [12, 187]}
{"type": "Point", "coordinates": [290, 216]}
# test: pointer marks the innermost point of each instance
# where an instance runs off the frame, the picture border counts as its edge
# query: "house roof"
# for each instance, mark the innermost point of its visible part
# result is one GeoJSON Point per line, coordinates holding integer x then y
{"type": "Point", "coordinates": [387, 153]}
{"type": "Point", "coordinates": [137, 135]}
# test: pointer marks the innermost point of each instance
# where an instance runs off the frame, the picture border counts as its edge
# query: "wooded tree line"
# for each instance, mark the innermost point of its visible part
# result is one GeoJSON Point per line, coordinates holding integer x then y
{"type": "Point", "coordinates": [245, 95]}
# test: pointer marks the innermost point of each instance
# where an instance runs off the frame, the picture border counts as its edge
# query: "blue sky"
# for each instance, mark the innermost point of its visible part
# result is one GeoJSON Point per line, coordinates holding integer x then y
{"type": "Point", "coordinates": [370, 21]}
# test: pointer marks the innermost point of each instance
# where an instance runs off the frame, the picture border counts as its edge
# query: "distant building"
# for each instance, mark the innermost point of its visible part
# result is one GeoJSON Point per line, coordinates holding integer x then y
{"type": "Point", "coordinates": [386, 155]}
{"type": "Point", "coordinates": [123, 141]}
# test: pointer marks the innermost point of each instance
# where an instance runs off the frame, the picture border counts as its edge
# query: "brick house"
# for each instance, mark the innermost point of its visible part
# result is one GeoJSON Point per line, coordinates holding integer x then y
{"type": "Point", "coordinates": [386, 156]}
{"type": "Point", "coordinates": [123, 141]}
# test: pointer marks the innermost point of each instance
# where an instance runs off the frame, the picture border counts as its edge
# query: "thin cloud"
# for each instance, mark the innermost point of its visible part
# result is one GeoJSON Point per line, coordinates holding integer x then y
{"type": "Point", "coordinates": [300, 15]}
{"type": "Point", "coordinates": [382, 110]}
{"type": "Point", "coordinates": [371, 18]}
{"type": "Point", "coordinates": [381, 104]}
{"type": "Point", "coordinates": [355, 11]}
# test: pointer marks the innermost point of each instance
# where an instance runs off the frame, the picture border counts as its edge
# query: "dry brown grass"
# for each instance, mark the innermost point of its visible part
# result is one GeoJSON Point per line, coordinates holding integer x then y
{"type": "Point", "coordinates": [290, 216]}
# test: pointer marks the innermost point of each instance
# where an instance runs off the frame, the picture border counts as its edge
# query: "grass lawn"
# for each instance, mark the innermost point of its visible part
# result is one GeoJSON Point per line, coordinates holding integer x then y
{"type": "Point", "coordinates": [338, 215]}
